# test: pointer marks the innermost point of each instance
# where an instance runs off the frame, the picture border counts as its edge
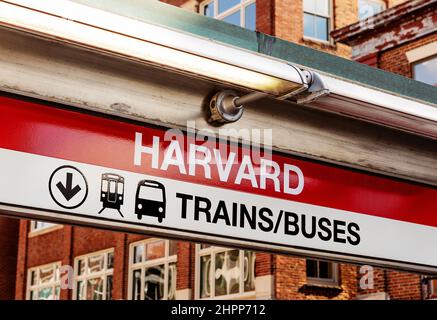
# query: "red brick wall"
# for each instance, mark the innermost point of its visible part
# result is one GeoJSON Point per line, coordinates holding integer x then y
{"type": "Point", "coordinates": [291, 281]}
{"type": "Point", "coordinates": [395, 59]}
{"type": "Point", "coordinates": [8, 258]}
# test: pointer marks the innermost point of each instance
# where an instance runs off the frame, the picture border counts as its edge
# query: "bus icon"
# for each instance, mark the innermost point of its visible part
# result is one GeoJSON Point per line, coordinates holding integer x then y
{"type": "Point", "coordinates": [150, 199]}
{"type": "Point", "coordinates": [112, 192]}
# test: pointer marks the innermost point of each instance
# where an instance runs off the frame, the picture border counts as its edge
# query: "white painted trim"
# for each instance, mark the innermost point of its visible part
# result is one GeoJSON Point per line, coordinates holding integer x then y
{"type": "Point", "coordinates": [183, 294]}
{"type": "Point", "coordinates": [37, 232]}
{"type": "Point", "coordinates": [422, 52]}
{"type": "Point", "coordinates": [265, 287]}
{"type": "Point", "coordinates": [374, 296]}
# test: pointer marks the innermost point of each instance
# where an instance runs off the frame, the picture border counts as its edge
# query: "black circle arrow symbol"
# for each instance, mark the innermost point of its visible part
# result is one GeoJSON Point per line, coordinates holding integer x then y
{"type": "Point", "coordinates": [68, 187]}
{"type": "Point", "coordinates": [68, 192]}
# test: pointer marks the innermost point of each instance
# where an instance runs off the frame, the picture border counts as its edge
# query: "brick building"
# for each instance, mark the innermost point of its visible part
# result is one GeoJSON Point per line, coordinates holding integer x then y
{"type": "Point", "coordinates": [115, 265]}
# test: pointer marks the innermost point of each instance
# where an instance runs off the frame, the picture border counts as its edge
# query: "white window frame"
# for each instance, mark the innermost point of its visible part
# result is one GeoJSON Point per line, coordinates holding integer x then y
{"type": "Point", "coordinates": [37, 286]}
{"type": "Point", "coordinates": [334, 281]}
{"type": "Point", "coordinates": [84, 277]}
{"type": "Point", "coordinates": [166, 260]}
{"type": "Point", "coordinates": [241, 6]}
{"type": "Point", "coordinates": [329, 16]}
{"type": "Point", "coordinates": [384, 4]}
{"type": "Point", "coordinates": [35, 230]}
{"type": "Point", "coordinates": [212, 251]}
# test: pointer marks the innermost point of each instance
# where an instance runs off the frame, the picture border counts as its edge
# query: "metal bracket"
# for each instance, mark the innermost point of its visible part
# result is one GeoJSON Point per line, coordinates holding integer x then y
{"type": "Point", "coordinates": [227, 106]}
{"type": "Point", "coordinates": [316, 88]}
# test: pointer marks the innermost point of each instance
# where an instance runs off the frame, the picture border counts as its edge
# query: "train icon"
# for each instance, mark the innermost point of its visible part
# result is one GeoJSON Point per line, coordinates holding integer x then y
{"type": "Point", "coordinates": [112, 192]}
{"type": "Point", "coordinates": [150, 199]}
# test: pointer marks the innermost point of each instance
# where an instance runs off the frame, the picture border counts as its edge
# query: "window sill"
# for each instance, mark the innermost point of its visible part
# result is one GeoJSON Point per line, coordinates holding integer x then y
{"type": "Point", "coordinates": [318, 42]}
{"type": "Point", "coordinates": [237, 296]}
{"type": "Point", "coordinates": [316, 285]}
{"type": "Point", "coordinates": [44, 231]}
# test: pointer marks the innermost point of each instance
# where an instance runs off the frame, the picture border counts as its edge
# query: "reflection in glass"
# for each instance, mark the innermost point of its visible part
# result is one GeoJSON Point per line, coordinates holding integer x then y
{"type": "Point", "coordinates": [138, 253]}
{"type": "Point", "coordinates": [155, 250]}
{"type": "Point", "coordinates": [96, 263]}
{"type": "Point", "coordinates": [108, 287]}
{"type": "Point", "coordinates": [46, 274]}
{"type": "Point", "coordinates": [154, 283]}
{"type": "Point", "coordinates": [249, 271]}
{"type": "Point", "coordinates": [136, 285]}
{"type": "Point", "coordinates": [45, 293]}
{"type": "Point", "coordinates": [227, 272]}
{"type": "Point", "coordinates": [250, 16]}
{"type": "Point", "coordinates": [224, 5]}
{"type": "Point", "coordinates": [233, 18]}
{"type": "Point", "coordinates": [80, 290]}
{"type": "Point", "coordinates": [95, 289]}
{"type": "Point", "coordinates": [426, 71]}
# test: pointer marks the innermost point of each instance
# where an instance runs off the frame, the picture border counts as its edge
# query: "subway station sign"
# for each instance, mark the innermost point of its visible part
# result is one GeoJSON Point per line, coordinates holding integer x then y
{"type": "Point", "coordinates": [80, 168]}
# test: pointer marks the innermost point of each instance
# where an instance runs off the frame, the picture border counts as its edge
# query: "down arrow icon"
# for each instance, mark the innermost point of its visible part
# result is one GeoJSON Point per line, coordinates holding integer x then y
{"type": "Point", "coordinates": [67, 191]}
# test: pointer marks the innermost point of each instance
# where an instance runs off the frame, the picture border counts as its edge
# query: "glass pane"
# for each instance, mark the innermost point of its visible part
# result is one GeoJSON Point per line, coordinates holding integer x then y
{"type": "Point", "coordinates": [45, 294]}
{"type": "Point", "coordinates": [80, 290]}
{"type": "Point", "coordinates": [249, 271]}
{"type": "Point", "coordinates": [308, 25]}
{"type": "Point", "coordinates": [250, 17]}
{"type": "Point", "coordinates": [136, 285]}
{"type": "Point", "coordinates": [33, 278]}
{"type": "Point", "coordinates": [154, 283]}
{"type": "Point", "coordinates": [171, 281]}
{"type": "Point", "coordinates": [208, 10]}
{"type": "Point", "coordinates": [96, 263]}
{"type": "Point", "coordinates": [233, 18]}
{"type": "Point", "coordinates": [368, 8]}
{"type": "Point", "coordinates": [227, 272]}
{"type": "Point", "coordinates": [155, 250]}
{"type": "Point", "coordinates": [110, 263]}
{"type": "Point", "coordinates": [57, 292]}
{"type": "Point", "coordinates": [325, 270]}
{"type": "Point", "coordinates": [224, 5]}
{"type": "Point", "coordinates": [173, 248]}
{"type": "Point", "coordinates": [33, 295]}
{"type": "Point", "coordinates": [205, 271]}
{"type": "Point", "coordinates": [46, 274]}
{"type": "Point", "coordinates": [109, 288]}
{"type": "Point", "coordinates": [94, 290]}
{"type": "Point", "coordinates": [138, 253]}
{"type": "Point", "coordinates": [426, 71]}
{"type": "Point", "coordinates": [81, 267]}
{"type": "Point", "coordinates": [321, 28]}
{"type": "Point", "coordinates": [312, 269]}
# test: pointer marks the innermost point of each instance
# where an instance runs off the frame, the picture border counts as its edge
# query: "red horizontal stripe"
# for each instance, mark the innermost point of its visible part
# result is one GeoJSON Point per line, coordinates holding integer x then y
{"type": "Point", "coordinates": [48, 131]}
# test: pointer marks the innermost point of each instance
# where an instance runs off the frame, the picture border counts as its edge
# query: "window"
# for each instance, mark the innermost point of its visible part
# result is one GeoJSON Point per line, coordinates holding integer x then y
{"type": "Point", "coordinates": [317, 19]}
{"type": "Point", "coordinates": [224, 273]}
{"type": "Point", "coordinates": [322, 272]}
{"type": "Point", "coordinates": [93, 276]}
{"type": "Point", "coordinates": [36, 225]}
{"type": "Point", "coordinates": [239, 12]}
{"type": "Point", "coordinates": [43, 282]}
{"type": "Point", "coordinates": [426, 71]}
{"type": "Point", "coordinates": [368, 8]}
{"type": "Point", "coordinates": [152, 270]}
